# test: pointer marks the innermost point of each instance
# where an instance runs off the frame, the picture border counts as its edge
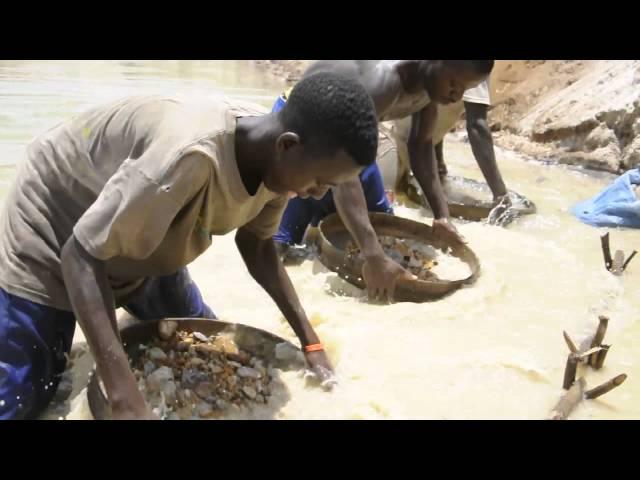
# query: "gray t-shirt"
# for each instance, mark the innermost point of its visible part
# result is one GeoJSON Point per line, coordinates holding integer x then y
{"type": "Point", "coordinates": [143, 183]}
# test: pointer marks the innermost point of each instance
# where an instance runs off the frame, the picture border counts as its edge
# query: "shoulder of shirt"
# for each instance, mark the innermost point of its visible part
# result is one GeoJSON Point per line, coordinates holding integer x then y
{"type": "Point", "coordinates": [207, 147]}
{"type": "Point", "coordinates": [245, 107]}
{"type": "Point", "coordinates": [222, 105]}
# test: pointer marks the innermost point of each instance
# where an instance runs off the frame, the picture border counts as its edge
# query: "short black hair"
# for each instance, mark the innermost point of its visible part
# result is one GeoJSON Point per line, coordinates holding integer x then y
{"type": "Point", "coordinates": [330, 112]}
{"type": "Point", "coordinates": [481, 67]}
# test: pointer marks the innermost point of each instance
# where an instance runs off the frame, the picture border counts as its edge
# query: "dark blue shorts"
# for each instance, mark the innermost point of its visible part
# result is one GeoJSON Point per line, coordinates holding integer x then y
{"type": "Point", "coordinates": [35, 338]}
{"type": "Point", "coordinates": [300, 213]}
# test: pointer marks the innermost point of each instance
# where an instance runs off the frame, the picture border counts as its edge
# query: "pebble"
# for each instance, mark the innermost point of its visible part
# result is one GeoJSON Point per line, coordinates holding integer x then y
{"type": "Point", "coordinates": [170, 391]}
{"type": "Point", "coordinates": [157, 381]}
{"type": "Point", "coordinates": [204, 409]}
{"type": "Point", "coordinates": [167, 328]}
{"type": "Point", "coordinates": [247, 372]}
{"type": "Point", "coordinates": [200, 336]}
{"type": "Point", "coordinates": [149, 367]}
{"type": "Point", "coordinates": [204, 390]}
{"type": "Point", "coordinates": [257, 363]}
{"type": "Point", "coordinates": [226, 345]}
{"type": "Point", "coordinates": [249, 392]}
{"type": "Point", "coordinates": [156, 353]}
{"type": "Point", "coordinates": [206, 349]}
{"type": "Point", "coordinates": [194, 362]}
{"type": "Point", "coordinates": [241, 357]}
{"type": "Point", "coordinates": [191, 377]}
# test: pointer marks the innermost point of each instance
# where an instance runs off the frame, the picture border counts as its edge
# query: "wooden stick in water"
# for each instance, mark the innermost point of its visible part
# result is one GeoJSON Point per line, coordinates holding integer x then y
{"type": "Point", "coordinates": [606, 251]}
{"type": "Point", "coordinates": [598, 358]}
{"type": "Point", "coordinates": [569, 401]}
{"type": "Point", "coordinates": [592, 341]}
{"type": "Point", "coordinates": [570, 344]}
{"type": "Point", "coordinates": [605, 387]}
{"type": "Point", "coordinates": [618, 262]}
{"type": "Point", "coordinates": [570, 371]}
{"type": "Point", "coordinates": [600, 331]}
{"type": "Point", "coordinates": [592, 352]}
{"type": "Point", "coordinates": [633, 254]}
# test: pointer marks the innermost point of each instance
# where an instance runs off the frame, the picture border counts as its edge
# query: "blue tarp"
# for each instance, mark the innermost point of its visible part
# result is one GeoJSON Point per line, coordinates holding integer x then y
{"type": "Point", "coordinates": [616, 206]}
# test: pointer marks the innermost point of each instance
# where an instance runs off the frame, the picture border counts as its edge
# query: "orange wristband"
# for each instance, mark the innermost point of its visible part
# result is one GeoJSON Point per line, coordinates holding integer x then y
{"type": "Point", "coordinates": [316, 347]}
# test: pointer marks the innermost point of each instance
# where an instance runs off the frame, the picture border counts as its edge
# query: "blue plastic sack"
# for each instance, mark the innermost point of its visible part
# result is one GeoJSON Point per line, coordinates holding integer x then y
{"type": "Point", "coordinates": [616, 206]}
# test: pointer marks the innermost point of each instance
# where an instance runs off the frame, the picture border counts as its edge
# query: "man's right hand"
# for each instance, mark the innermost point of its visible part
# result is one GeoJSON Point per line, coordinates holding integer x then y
{"type": "Point", "coordinates": [381, 274]}
{"type": "Point", "coordinates": [501, 213]}
{"type": "Point", "coordinates": [320, 367]}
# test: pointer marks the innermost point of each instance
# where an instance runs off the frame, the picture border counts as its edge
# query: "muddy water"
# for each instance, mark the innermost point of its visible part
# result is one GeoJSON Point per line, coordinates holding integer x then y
{"type": "Point", "coordinates": [494, 350]}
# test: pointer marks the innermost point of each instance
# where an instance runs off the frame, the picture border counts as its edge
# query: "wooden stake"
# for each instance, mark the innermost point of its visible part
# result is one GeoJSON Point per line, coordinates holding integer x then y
{"type": "Point", "coordinates": [598, 359]}
{"type": "Point", "coordinates": [600, 331]}
{"type": "Point", "coordinates": [606, 251]}
{"type": "Point", "coordinates": [633, 254]}
{"type": "Point", "coordinates": [605, 387]}
{"type": "Point", "coordinates": [618, 262]}
{"type": "Point", "coordinates": [569, 401]}
{"type": "Point", "coordinates": [593, 341]}
{"type": "Point", "coordinates": [589, 353]}
{"type": "Point", "coordinates": [570, 371]}
{"type": "Point", "coordinates": [570, 344]}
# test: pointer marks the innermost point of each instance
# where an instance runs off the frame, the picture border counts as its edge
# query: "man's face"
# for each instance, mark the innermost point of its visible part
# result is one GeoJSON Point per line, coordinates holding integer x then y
{"type": "Point", "coordinates": [447, 84]}
{"type": "Point", "coordinates": [297, 173]}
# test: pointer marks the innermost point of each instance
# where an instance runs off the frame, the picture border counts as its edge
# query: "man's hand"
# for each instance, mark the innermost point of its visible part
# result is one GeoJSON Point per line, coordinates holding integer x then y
{"type": "Point", "coordinates": [320, 368]}
{"type": "Point", "coordinates": [381, 274]}
{"type": "Point", "coordinates": [502, 213]}
{"type": "Point", "coordinates": [445, 230]}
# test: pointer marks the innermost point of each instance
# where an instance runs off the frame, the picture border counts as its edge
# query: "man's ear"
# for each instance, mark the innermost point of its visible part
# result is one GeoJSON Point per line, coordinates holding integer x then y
{"type": "Point", "coordinates": [286, 141]}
